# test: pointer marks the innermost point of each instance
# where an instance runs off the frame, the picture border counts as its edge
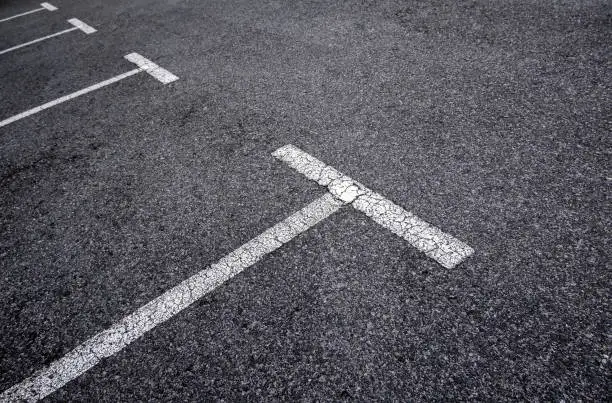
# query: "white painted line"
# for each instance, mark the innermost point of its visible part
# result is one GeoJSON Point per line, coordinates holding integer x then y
{"type": "Point", "coordinates": [443, 248]}
{"type": "Point", "coordinates": [23, 45]}
{"type": "Point", "coordinates": [45, 6]}
{"type": "Point", "coordinates": [159, 73]}
{"type": "Point", "coordinates": [78, 24]}
{"type": "Point", "coordinates": [68, 97]}
{"type": "Point", "coordinates": [48, 6]}
{"type": "Point", "coordinates": [167, 305]}
{"type": "Point", "coordinates": [22, 14]}
{"type": "Point", "coordinates": [153, 69]}
{"type": "Point", "coordinates": [82, 26]}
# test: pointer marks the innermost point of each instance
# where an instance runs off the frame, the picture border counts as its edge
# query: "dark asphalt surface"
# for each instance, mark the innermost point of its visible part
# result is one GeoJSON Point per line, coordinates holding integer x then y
{"type": "Point", "coordinates": [489, 119]}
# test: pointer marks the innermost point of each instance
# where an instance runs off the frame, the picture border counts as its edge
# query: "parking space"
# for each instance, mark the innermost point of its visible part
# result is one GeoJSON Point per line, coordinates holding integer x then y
{"type": "Point", "coordinates": [447, 165]}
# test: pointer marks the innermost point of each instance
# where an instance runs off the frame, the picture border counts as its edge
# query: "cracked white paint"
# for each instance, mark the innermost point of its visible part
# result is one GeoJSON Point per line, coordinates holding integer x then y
{"type": "Point", "coordinates": [167, 305]}
{"type": "Point", "coordinates": [443, 248]}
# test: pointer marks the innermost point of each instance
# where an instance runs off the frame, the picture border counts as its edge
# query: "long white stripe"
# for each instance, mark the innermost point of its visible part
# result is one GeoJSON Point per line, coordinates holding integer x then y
{"type": "Point", "coordinates": [22, 14]}
{"type": "Point", "coordinates": [167, 305]}
{"type": "Point", "coordinates": [445, 249]}
{"type": "Point", "coordinates": [37, 40]}
{"type": "Point", "coordinates": [68, 97]}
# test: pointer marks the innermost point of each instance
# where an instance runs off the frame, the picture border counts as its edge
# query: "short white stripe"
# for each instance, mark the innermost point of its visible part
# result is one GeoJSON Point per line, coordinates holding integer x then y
{"type": "Point", "coordinates": [153, 69]}
{"type": "Point", "coordinates": [37, 40]}
{"type": "Point", "coordinates": [82, 26]}
{"type": "Point", "coordinates": [167, 305]}
{"type": "Point", "coordinates": [445, 249]}
{"type": "Point", "coordinates": [68, 97]}
{"type": "Point", "coordinates": [22, 14]}
{"type": "Point", "coordinates": [48, 6]}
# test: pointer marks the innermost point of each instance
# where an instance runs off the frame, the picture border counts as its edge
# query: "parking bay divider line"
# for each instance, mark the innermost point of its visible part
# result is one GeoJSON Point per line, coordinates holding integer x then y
{"type": "Point", "coordinates": [77, 24]}
{"type": "Point", "coordinates": [159, 73]}
{"type": "Point", "coordinates": [342, 190]}
{"type": "Point", "coordinates": [170, 303]}
{"type": "Point", "coordinates": [45, 6]}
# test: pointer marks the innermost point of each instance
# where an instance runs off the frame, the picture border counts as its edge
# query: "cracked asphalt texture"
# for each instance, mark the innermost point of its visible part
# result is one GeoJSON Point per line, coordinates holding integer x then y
{"type": "Point", "coordinates": [488, 119]}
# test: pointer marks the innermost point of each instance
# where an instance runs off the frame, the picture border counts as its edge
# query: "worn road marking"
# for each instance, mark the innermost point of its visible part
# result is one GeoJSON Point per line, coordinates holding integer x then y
{"type": "Point", "coordinates": [167, 78]}
{"type": "Point", "coordinates": [443, 248]}
{"type": "Point", "coordinates": [68, 97]}
{"type": "Point", "coordinates": [48, 6]}
{"type": "Point", "coordinates": [45, 6]}
{"type": "Point", "coordinates": [167, 305]}
{"type": "Point", "coordinates": [82, 26]}
{"type": "Point", "coordinates": [153, 69]}
{"type": "Point", "coordinates": [78, 24]}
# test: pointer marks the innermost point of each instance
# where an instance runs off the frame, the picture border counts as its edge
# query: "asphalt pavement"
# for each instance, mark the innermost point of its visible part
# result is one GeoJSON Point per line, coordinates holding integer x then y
{"type": "Point", "coordinates": [490, 120]}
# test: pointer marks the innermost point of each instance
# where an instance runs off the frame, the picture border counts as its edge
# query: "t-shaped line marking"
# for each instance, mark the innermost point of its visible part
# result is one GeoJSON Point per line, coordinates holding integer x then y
{"type": "Point", "coordinates": [144, 64]}
{"type": "Point", "coordinates": [443, 248]}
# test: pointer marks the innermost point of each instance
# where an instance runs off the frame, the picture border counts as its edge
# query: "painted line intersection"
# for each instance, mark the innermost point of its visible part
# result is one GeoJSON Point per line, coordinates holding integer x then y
{"type": "Point", "coordinates": [77, 24]}
{"type": "Point", "coordinates": [160, 74]}
{"type": "Point", "coordinates": [44, 6]}
{"type": "Point", "coordinates": [445, 249]}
